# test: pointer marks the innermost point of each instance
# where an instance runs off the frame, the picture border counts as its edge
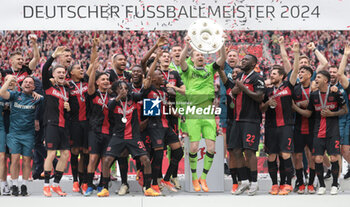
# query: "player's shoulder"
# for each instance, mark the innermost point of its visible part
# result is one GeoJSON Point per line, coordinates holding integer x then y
{"type": "Point", "coordinates": [173, 72]}
{"type": "Point", "coordinates": [314, 93]}
{"type": "Point", "coordinates": [111, 72]}
{"type": "Point", "coordinates": [6, 71]}
{"type": "Point", "coordinates": [127, 73]}
{"type": "Point", "coordinates": [15, 93]}
{"type": "Point", "coordinates": [26, 68]}
{"type": "Point", "coordinates": [257, 75]}
{"type": "Point", "coordinates": [297, 86]}
{"type": "Point", "coordinates": [336, 93]}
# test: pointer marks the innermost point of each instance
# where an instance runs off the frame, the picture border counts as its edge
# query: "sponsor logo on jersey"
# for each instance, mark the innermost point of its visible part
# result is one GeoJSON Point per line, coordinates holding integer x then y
{"type": "Point", "coordinates": [17, 105]}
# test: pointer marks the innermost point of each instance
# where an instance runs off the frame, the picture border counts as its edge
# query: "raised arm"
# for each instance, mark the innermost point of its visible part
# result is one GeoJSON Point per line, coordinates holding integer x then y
{"type": "Point", "coordinates": [294, 75]}
{"type": "Point", "coordinates": [286, 64]}
{"type": "Point", "coordinates": [47, 65]}
{"type": "Point", "coordinates": [4, 93]}
{"type": "Point", "coordinates": [222, 74]}
{"type": "Point", "coordinates": [160, 42]}
{"type": "Point", "coordinates": [183, 55]}
{"type": "Point", "coordinates": [92, 77]}
{"type": "Point", "coordinates": [148, 80]}
{"type": "Point", "coordinates": [323, 61]}
{"type": "Point", "coordinates": [36, 56]}
{"type": "Point", "coordinates": [93, 57]}
{"type": "Point", "coordinates": [341, 71]}
{"type": "Point", "coordinates": [222, 54]}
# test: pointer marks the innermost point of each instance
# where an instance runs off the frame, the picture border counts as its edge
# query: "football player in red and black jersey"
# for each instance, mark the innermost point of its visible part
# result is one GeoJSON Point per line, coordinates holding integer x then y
{"type": "Point", "coordinates": [158, 127]}
{"type": "Point", "coordinates": [18, 69]}
{"type": "Point", "coordinates": [279, 123]}
{"type": "Point", "coordinates": [248, 91]}
{"type": "Point", "coordinates": [125, 130]}
{"type": "Point", "coordinates": [79, 125]}
{"type": "Point", "coordinates": [327, 107]}
{"type": "Point", "coordinates": [99, 134]}
{"type": "Point", "coordinates": [55, 121]}
{"type": "Point", "coordinates": [303, 131]}
{"type": "Point", "coordinates": [119, 70]}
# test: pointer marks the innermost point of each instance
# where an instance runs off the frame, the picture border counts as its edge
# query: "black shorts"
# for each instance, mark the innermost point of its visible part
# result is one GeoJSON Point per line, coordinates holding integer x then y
{"type": "Point", "coordinates": [56, 138]}
{"type": "Point", "coordinates": [117, 145]}
{"type": "Point", "coordinates": [98, 142]}
{"type": "Point", "coordinates": [174, 124]}
{"type": "Point", "coordinates": [302, 140]}
{"type": "Point", "coordinates": [146, 140]}
{"type": "Point", "coordinates": [279, 139]}
{"type": "Point", "coordinates": [244, 135]}
{"type": "Point", "coordinates": [331, 144]}
{"type": "Point", "coordinates": [79, 134]}
{"type": "Point", "coordinates": [228, 130]}
{"type": "Point", "coordinates": [160, 137]}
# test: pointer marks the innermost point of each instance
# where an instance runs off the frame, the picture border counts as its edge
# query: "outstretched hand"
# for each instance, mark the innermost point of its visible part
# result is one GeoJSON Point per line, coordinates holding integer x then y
{"type": "Point", "coordinates": [59, 51]}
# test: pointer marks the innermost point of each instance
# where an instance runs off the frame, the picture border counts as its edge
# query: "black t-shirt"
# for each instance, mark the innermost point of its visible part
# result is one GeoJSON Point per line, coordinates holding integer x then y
{"type": "Point", "coordinates": [246, 109]}
{"type": "Point", "coordinates": [113, 76]}
{"type": "Point", "coordinates": [325, 126]}
{"type": "Point", "coordinates": [282, 114]}
{"type": "Point", "coordinates": [302, 124]}
{"type": "Point", "coordinates": [77, 99]}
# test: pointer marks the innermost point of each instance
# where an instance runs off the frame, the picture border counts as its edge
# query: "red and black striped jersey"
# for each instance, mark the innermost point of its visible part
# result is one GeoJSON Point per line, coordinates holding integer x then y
{"type": "Point", "coordinates": [302, 124]}
{"type": "Point", "coordinates": [247, 109]}
{"type": "Point", "coordinates": [55, 96]}
{"type": "Point", "coordinates": [325, 126]}
{"type": "Point", "coordinates": [98, 112]}
{"type": "Point", "coordinates": [154, 93]}
{"type": "Point", "coordinates": [282, 114]}
{"type": "Point", "coordinates": [131, 128]}
{"type": "Point", "coordinates": [77, 99]}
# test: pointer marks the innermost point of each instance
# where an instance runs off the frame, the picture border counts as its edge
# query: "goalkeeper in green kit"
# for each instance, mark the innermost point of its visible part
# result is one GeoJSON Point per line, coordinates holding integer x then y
{"type": "Point", "coordinates": [200, 94]}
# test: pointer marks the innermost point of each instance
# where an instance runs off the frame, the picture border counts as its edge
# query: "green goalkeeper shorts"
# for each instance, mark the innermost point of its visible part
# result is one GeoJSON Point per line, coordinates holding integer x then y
{"type": "Point", "coordinates": [198, 128]}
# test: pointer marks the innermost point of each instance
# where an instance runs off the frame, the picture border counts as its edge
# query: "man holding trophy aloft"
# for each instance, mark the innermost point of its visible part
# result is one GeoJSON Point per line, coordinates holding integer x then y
{"type": "Point", "coordinates": [200, 95]}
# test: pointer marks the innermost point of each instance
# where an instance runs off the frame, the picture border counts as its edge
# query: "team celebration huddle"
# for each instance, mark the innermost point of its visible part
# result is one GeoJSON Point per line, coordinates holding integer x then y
{"type": "Point", "coordinates": [92, 105]}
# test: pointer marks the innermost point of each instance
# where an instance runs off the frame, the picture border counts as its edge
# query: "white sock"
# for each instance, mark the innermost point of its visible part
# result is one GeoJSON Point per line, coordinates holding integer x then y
{"type": "Point", "coordinates": [46, 184]}
{"type": "Point", "coordinates": [15, 182]}
{"type": "Point", "coordinates": [55, 184]}
{"type": "Point", "coordinates": [24, 182]}
{"type": "Point", "coordinates": [3, 184]}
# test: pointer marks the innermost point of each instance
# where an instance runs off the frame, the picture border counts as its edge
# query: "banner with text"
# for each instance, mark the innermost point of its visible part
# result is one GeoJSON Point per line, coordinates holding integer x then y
{"type": "Point", "coordinates": [174, 14]}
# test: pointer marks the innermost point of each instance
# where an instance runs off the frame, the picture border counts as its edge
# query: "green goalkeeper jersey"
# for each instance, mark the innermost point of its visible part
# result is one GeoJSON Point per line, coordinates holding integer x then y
{"type": "Point", "coordinates": [200, 83]}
